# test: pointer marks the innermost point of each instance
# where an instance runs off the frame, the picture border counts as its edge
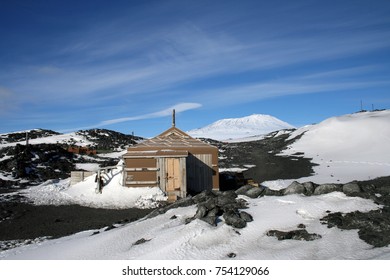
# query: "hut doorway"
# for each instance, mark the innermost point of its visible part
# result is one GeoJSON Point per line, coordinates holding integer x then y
{"type": "Point", "coordinates": [173, 176]}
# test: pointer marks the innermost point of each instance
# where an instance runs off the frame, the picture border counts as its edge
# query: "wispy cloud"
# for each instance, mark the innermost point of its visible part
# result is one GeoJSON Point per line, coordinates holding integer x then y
{"type": "Point", "coordinates": [180, 107]}
{"type": "Point", "coordinates": [202, 55]}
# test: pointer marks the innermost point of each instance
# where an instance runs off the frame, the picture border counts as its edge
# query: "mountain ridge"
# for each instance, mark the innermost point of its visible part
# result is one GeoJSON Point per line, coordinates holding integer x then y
{"type": "Point", "coordinates": [234, 128]}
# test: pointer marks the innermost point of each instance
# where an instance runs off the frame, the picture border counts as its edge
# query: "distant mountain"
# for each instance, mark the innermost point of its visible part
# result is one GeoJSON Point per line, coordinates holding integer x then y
{"type": "Point", "coordinates": [47, 157]}
{"type": "Point", "coordinates": [101, 139]}
{"type": "Point", "coordinates": [235, 128]}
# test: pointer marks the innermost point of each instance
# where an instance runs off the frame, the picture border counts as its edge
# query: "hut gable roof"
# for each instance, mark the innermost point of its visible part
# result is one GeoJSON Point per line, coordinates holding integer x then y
{"type": "Point", "coordinates": [172, 138]}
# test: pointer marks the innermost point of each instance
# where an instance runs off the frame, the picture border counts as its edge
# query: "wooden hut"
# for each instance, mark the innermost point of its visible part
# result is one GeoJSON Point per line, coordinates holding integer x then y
{"type": "Point", "coordinates": [173, 161]}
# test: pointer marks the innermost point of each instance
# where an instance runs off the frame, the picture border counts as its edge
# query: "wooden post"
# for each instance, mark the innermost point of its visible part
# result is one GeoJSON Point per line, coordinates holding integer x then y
{"type": "Point", "coordinates": [173, 118]}
{"type": "Point", "coordinates": [124, 175]}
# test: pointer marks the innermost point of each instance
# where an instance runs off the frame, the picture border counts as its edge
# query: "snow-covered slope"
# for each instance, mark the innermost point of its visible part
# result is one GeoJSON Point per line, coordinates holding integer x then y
{"type": "Point", "coordinates": [100, 138]}
{"type": "Point", "coordinates": [170, 237]}
{"type": "Point", "coordinates": [40, 136]}
{"type": "Point", "coordinates": [349, 147]}
{"type": "Point", "coordinates": [234, 128]}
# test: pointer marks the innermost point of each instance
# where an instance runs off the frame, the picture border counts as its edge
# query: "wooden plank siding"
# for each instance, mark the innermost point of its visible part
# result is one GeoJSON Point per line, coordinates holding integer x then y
{"type": "Point", "coordinates": [173, 161]}
{"type": "Point", "coordinates": [147, 177]}
{"type": "Point", "coordinates": [199, 172]}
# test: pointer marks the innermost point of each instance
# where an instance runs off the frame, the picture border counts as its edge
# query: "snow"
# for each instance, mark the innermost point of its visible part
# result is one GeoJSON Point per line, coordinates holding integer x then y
{"type": "Point", "coordinates": [68, 138]}
{"type": "Point", "coordinates": [248, 128]}
{"type": "Point", "coordinates": [175, 240]}
{"type": "Point", "coordinates": [351, 147]}
{"type": "Point", "coordinates": [113, 196]}
{"type": "Point", "coordinates": [87, 166]}
{"type": "Point", "coordinates": [346, 148]}
{"type": "Point", "coordinates": [117, 154]}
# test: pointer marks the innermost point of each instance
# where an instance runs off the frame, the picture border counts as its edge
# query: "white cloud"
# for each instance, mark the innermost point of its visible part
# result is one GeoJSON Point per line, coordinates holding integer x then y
{"type": "Point", "coordinates": [180, 107]}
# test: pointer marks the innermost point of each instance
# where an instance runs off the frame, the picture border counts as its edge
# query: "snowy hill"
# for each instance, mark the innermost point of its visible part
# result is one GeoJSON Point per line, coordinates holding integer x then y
{"type": "Point", "coordinates": [346, 148]}
{"type": "Point", "coordinates": [349, 147]}
{"type": "Point", "coordinates": [98, 138]}
{"type": "Point", "coordinates": [47, 157]}
{"type": "Point", "coordinates": [235, 128]}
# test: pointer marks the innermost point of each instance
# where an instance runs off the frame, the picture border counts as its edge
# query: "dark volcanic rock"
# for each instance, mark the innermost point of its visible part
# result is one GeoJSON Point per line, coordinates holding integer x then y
{"type": "Point", "coordinates": [295, 188]}
{"type": "Point", "coordinates": [309, 188]}
{"type": "Point", "coordinates": [255, 192]}
{"type": "Point", "coordinates": [246, 216]}
{"type": "Point", "coordinates": [351, 189]}
{"type": "Point", "coordinates": [244, 189]}
{"type": "Point", "coordinates": [327, 188]}
{"type": "Point", "coordinates": [234, 219]}
{"type": "Point", "coordinates": [299, 234]}
{"type": "Point", "coordinates": [141, 241]}
{"type": "Point", "coordinates": [373, 226]}
{"type": "Point", "coordinates": [212, 205]}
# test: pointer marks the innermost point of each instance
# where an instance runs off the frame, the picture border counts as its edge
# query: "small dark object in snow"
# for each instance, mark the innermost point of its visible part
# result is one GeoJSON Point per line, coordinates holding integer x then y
{"type": "Point", "coordinates": [231, 255]}
{"type": "Point", "coordinates": [299, 234]}
{"type": "Point", "coordinates": [110, 228]}
{"type": "Point", "coordinates": [301, 226]}
{"type": "Point", "coordinates": [95, 232]}
{"type": "Point", "coordinates": [173, 217]}
{"type": "Point", "coordinates": [141, 241]}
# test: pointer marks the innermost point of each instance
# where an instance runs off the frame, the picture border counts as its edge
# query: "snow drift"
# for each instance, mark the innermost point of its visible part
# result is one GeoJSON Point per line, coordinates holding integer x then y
{"type": "Point", "coordinates": [346, 148]}
{"type": "Point", "coordinates": [113, 196]}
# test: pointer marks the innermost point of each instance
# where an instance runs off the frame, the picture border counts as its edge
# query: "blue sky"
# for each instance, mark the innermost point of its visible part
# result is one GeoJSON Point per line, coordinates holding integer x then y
{"type": "Point", "coordinates": [123, 65]}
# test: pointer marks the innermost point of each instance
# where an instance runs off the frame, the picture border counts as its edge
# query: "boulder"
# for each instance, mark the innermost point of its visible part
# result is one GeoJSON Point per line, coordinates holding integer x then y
{"type": "Point", "coordinates": [299, 234]}
{"type": "Point", "coordinates": [246, 216]}
{"type": "Point", "coordinates": [270, 192]}
{"type": "Point", "coordinates": [244, 189]}
{"type": "Point", "coordinates": [309, 188]}
{"type": "Point", "coordinates": [255, 192]}
{"type": "Point", "coordinates": [351, 189]}
{"type": "Point", "coordinates": [294, 188]}
{"type": "Point", "coordinates": [201, 212]}
{"type": "Point", "coordinates": [233, 219]}
{"type": "Point", "coordinates": [204, 196]}
{"type": "Point", "coordinates": [224, 199]}
{"type": "Point", "coordinates": [209, 204]}
{"type": "Point", "coordinates": [212, 220]}
{"type": "Point", "coordinates": [327, 188]}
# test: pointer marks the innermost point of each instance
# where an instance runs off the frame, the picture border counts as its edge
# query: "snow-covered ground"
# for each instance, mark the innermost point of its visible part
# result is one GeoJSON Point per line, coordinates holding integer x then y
{"type": "Point", "coordinates": [346, 148]}
{"type": "Point", "coordinates": [248, 128]}
{"type": "Point", "coordinates": [68, 138]}
{"type": "Point", "coordinates": [113, 196]}
{"type": "Point", "coordinates": [168, 238]}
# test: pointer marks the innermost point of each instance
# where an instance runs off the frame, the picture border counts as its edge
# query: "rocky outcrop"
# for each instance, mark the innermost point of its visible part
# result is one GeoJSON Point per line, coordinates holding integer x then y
{"type": "Point", "coordinates": [211, 206]}
{"type": "Point", "coordinates": [373, 227]}
{"type": "Point", "coordinates": [298, 234]}
{"type": "Point", "coordinates": [306, 188]}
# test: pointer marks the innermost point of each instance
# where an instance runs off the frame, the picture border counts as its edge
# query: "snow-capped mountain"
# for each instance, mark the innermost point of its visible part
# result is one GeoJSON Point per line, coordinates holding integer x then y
{"type": "Point", "coordinates": [235, 128]}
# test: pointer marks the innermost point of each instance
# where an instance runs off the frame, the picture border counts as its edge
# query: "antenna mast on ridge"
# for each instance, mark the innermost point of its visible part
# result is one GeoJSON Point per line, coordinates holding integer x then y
{"type": "Point", "coordinates": [173, 118]}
